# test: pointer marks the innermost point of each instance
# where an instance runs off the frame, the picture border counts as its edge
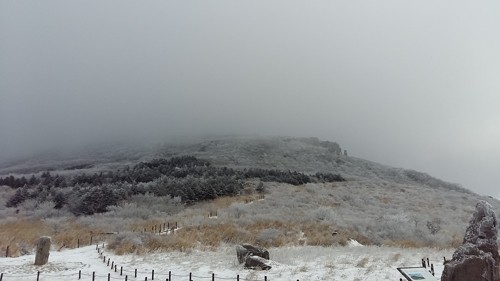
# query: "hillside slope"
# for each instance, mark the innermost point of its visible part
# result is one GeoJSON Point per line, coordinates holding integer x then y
{"type": "Point", "coordinates": [378, 204]}
{"type": "Point", "coordinates": [307, 155]}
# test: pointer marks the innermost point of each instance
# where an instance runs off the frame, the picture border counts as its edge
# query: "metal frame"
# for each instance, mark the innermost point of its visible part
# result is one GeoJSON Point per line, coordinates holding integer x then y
{"type": "Point", "coordinates": [427, 276]}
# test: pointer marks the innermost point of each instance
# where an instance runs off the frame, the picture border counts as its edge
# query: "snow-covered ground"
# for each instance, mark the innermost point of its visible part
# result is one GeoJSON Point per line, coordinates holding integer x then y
{"type": "Point", "coordinates": [293, 263]}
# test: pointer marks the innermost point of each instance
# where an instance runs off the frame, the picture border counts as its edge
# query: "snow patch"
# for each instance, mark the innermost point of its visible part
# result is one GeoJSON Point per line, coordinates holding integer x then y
{"type": "Point", "coordinates": [354, 243]}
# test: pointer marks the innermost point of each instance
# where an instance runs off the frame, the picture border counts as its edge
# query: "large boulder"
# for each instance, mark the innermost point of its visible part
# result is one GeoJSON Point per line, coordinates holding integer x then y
{"type": "Point", "coordinates": [246, 250]}
{"type": "Point", "coordinates": [477, 259]}
{"type": "Point", "coordinates": [42, 250]}
{"type": "Point", "coordinates": [255, 262]}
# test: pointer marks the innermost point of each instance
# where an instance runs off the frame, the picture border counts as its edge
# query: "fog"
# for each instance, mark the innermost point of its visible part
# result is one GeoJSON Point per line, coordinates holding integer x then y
{"type": "Point", "coordinates": [411, 84]}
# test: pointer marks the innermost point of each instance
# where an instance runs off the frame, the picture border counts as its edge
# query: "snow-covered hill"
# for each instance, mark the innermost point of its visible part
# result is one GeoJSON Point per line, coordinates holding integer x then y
{"type": "Point", "coordinates": [298, 154]}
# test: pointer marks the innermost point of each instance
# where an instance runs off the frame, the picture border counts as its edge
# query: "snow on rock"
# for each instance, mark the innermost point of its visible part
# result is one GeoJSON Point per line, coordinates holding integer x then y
{"type": "Point", "coordinates": [477, 258]}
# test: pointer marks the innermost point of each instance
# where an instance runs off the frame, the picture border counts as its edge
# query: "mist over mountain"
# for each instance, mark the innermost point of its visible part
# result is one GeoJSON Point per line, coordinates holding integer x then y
{"type": "Point", "coordinates": [308, 155]}
{"type": "Point", "coordinates": [405, 83]}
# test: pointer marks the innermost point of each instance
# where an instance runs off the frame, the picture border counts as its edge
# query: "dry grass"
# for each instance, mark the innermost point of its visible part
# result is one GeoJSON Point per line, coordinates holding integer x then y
{"type": "Point", "coordinates": [210, 237]}
{"type": "Point", "coordinates": [318, 234]}
{"type": "Point", "coordinates": [126, 247]}
{"type": "Point", "coordinates": [21, 235]}
{"type": "Point", "coordinates": [148, 225]}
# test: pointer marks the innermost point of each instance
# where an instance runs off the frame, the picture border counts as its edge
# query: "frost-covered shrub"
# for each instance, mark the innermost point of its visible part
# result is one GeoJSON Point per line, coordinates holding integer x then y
{"type": "Point", "coordinates": [128, 242]}
{"type": "Point", "coordinates": [237, 210]}
{"type": "Point", "coordinates": [129, 210]}
{"type": "Point", "coordinates": [323, 214]}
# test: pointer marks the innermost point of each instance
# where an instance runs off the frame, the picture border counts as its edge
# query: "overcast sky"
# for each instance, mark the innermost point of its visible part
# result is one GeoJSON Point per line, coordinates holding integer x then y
{"type": "Point", "coordinates": [413, 84]}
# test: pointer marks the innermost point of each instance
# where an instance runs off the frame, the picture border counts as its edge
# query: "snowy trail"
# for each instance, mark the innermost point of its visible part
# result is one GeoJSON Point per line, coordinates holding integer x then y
{"type": "Point", "coordinates": [367, 263]}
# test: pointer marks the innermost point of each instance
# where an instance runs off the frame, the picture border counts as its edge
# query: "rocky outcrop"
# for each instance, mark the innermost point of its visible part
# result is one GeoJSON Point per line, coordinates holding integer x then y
{"type": "Point", "coordinates": [254, 262]}
{"type": "Point", "coordinates": [477, 259]}
{"type": "Point", "coordinates": [42, 250]}
{"type": "Point", "coordinates": [252, 256]}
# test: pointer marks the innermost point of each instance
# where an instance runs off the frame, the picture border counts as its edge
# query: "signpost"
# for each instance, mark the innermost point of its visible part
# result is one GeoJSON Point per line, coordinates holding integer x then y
{"type": "Point", "coordinates": [417, 274]}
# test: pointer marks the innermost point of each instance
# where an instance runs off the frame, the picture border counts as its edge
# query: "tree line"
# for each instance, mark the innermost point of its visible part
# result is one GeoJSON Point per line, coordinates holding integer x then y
{"type": "Point", "coordinates": [186, 177]}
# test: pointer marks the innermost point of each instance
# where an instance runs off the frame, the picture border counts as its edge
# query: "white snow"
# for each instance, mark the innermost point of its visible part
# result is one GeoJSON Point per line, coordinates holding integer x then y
{"type": "Point", "coordinates": [292, 263]}
{"type": "Point", "coordinates": [354, 243]}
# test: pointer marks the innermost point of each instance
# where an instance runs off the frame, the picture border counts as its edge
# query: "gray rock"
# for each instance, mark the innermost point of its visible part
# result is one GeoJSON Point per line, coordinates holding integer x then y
{"type": "Point", "coordinates": [246, 250]}
{"type": "Point", "coordinates": [255, 262]}
{"type": "Point", "coordinates": [42, 250]}
{"type": "Point", "coordinates": [477, 259]}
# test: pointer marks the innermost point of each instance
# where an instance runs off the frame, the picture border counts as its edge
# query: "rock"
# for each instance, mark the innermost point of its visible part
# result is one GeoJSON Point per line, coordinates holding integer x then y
{"type": "Point", "coordinates": [42, 250]}
{"type": "Point", "coordinates": [477, 259]}
{"type": "Point", "coordinates": [246, 250]}
{"type": "Point", "coordinates": [255, 262]}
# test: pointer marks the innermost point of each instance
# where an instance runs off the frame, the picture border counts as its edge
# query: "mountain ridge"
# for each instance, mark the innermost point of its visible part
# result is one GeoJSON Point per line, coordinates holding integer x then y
{"type": "Point", "coordinates": [302, 154]}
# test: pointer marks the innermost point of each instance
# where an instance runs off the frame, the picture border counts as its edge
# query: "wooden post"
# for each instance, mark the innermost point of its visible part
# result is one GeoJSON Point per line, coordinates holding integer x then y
{"type": "Point", "coordinates": [78, 243]}
{"type": "Point", "coordinates": [109, 276]}
{"type": "Point", "coordinates": [153, 274]}
{"type": "Point", "coordinates": [135, 273]}
{"type": "Point", "coordinates": [108, 261]}
{"type": "Point", "coordinates": [7, 252]}
{"type": "Point", "coordinates": [190, 275]}
{"type": "Point", "coordinates": [90, 240]}
{"type": "Point", "coordinates": [121, 270]}
{"type": "Point", "coordinates": [428, 264]}
{"type": "Point", "coordinates": [93, 275]}
{"type": "Point", "coordinates": [213, 276]}
{"type": "Point", "coordinates": [265, 278]}
{"type": "Point", "coordinates": [169, 276]}
{"type": "Point", "coordinates": [38, 276]}
{"type": "Point", "coordinates": [112, 264]}
{"type": "Point", "coordinates": [146, 278]}
{"type": "Point", "coordinates": [115, 267]}
{"type": "Point", "coordinates": [1, 276]}
{"type": "Point", "coordinates": [238, 277]}
{"type": "Point", "coordinates": [432, 269]}
{"type": "Point", "coordinates": [104, 259]}
{"type": "Point", "coordinates": [126, 277]}
{"type": "Point", "coordinates": [79, 274]}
